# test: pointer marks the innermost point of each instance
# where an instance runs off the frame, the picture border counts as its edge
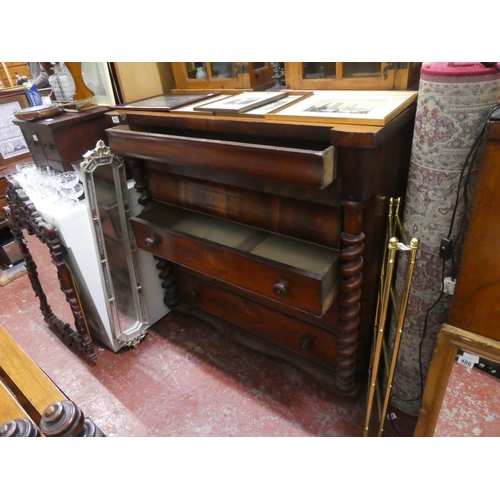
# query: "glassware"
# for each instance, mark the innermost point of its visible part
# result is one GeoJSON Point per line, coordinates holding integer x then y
{"type": "Point", "coordinates": [62, 83]}
{"type": "Point", "coordinates": [69, 179]}
{"type": "Point", "coordinates": [71, 193]}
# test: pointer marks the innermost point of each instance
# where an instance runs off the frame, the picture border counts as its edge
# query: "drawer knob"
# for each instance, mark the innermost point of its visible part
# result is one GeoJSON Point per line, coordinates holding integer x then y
{"type": "Point", "coordinates": [152, 241]}
{"type": "Point", "coordinates": [50, 146]}
{"type": "Point", "coordinates": [194, 294]}
{"type": "Point", "coordinates": [281, 288]}
{"type": "Point", "coordinates": [306, 343]}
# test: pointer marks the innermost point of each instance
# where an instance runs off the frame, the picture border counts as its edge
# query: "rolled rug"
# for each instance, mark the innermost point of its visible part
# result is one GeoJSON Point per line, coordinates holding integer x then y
{"type": "Point", "coordinates": [453, 104]}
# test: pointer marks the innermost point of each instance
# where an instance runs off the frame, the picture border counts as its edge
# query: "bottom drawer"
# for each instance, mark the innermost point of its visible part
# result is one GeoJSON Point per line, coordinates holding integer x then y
{"type": "Point", "coordinates": [311, 342]}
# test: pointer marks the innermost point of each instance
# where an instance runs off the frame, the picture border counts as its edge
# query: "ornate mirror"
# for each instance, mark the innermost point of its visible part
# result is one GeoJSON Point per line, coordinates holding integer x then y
{"type": "Point", "coordinates": [105, 184]}
{"type": "Point", "coordinates": [461, 396]}
{"type": "Point", "coordinates": [22, 215]}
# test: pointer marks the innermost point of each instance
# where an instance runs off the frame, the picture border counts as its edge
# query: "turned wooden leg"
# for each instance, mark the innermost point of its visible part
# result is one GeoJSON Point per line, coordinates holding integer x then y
{"type": "Point", "coordinates": [65, 419]}
{"type": "Point", "coordinates": [350, 294]}
{"type": "Point", "coordinates": [20, 427]}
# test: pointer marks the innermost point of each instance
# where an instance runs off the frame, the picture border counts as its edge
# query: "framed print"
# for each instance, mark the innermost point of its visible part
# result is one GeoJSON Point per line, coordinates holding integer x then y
{"type": "Point", "coordinates": [190, 107]}
{"type": "Point", "coordinates": [165, 102]}
{"type": "Point", "coordinates": [241, 103]}
{"type": "Point", "coordinates": [281, 103]}
{"type": "Point", "coordinates": [356, 107]}
{"type": "Point", "coordinates": [12, 143]}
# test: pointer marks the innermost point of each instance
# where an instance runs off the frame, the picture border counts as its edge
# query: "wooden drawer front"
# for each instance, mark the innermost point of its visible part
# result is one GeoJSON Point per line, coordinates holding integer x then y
{"type": "Point", "coordinates": [280, 214]}
{"type": "Point", "coordinates": [301, 275]}
{"type": "Point", "coordinates": [280, 164]}
{"type": "Point", "coordinates": [3, 203]}
{"type": "Point", "coordinates": [307, 340]}
{"type": "Point", "coordinates": [3, 186]}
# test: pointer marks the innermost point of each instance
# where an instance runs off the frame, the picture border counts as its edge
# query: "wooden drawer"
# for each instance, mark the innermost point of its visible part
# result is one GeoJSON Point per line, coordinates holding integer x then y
{"type": "Point", "coordinates": [309, 341]}
{"type": "Point", "coordinates": [299, 274]}
{"type": "Point", "coordinates": [308, 168]}
{"type": "Point", "coordinates": [3, 203]}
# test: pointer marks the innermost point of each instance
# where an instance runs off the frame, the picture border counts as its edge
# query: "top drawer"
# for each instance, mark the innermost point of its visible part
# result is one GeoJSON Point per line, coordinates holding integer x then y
{"type": "Point", "coordinates": [299, 274]}
{"type": "Point", "coordinates": [303, 167]}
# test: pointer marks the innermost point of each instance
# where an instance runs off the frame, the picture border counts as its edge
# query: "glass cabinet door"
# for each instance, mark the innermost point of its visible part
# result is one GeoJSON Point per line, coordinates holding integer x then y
{"type": "Point", "coordinates": [348, 75]}
{"type": "Point", "coordinates": [222, 75]}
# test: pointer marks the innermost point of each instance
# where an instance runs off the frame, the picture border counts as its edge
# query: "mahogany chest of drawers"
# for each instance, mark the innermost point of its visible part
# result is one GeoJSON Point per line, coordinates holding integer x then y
{"type": "Point", "coordinates": [277, 227]}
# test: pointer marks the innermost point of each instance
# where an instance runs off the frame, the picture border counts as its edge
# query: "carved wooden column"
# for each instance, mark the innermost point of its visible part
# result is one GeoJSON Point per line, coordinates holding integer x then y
{"type": "Point", "coordinates": [350, 294]}
{"type": "Point", "coordinates": [140, 178]}
{"type": "Point", "coordinates": [171, 296]}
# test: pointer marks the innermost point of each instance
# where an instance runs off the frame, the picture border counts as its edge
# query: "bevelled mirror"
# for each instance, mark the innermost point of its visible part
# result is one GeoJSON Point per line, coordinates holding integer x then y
{"type": "Point", "coordinates": [105, 184]}
{"type": "Point", "coordinates": [462, 388]}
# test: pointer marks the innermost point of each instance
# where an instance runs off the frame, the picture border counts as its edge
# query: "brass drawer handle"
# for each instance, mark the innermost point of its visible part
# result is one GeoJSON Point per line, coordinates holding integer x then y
{"type": "Point", "coordinates": [306, 343]}
{"type": "Point", "coordinates": [152, 241]}
{"type": "Point", "coordinates": [281, 288]}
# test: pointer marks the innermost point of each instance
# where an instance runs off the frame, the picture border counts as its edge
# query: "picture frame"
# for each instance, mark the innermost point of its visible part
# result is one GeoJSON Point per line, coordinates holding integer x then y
{"type": "Point", "coordinates": [273, 106]}
{"type": "Point", "coordinates": [13, 145]}
{"type": "Point", "coordinates": [165, 102]}
{"type": "Point", "coordinates": [190, 108]}
{"type": "Point", "coordinates": [450, 341]}
{"type": "Point", "coordinates": [350, 106]}
{"type": "Point", "coordinates": [240, 103]}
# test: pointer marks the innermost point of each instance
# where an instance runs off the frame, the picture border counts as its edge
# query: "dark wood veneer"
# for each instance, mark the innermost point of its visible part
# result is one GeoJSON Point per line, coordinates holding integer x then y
{"type": "Point", "coordinates": [346, 214]}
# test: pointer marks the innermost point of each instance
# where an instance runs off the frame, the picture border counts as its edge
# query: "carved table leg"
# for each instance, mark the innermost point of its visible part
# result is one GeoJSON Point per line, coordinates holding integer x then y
{"type": "Point", "coordinates": [350, 294]}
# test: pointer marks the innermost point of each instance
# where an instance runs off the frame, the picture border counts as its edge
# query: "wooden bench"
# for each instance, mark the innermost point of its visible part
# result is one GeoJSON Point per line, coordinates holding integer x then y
{"type": "Point", "coordinates": [30, 403]}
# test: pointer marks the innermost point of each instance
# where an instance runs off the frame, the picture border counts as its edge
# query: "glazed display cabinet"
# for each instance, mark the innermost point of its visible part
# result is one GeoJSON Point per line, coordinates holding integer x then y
{"type": "Point", "coordinates": [216, 76]}
{"type": "Point", "coordinates": [352, 75]}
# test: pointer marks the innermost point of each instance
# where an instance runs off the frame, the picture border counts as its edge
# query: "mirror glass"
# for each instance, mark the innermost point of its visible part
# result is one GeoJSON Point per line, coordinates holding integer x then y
{"type": "Point", "coordinates": [471, 404]}
{"type": "Point", "coordinates": [105, 185]}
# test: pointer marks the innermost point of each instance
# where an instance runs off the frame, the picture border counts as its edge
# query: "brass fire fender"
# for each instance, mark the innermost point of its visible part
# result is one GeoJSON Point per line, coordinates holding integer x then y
{"type": "Point", "coordinates": [396, 240]}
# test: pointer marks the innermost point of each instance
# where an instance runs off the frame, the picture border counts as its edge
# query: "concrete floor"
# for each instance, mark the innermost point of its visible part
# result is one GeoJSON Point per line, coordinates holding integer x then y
{"type": "Point", "coordinates": [184, 379]}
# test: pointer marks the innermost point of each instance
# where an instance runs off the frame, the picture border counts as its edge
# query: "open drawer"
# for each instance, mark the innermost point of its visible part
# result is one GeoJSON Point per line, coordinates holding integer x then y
{"type": "Point", "coordinates": [299, 274]}
{"type": "Point", "coordinates": [302, 167]}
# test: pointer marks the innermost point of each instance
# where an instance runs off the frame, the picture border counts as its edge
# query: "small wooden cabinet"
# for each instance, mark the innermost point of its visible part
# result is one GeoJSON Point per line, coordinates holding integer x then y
{"type": "Point", "coordinates": [57, 142]}
{"type": "Point", "coordinates": [352, 75]}
{"type": "Point", "coordinates": [276, 227]}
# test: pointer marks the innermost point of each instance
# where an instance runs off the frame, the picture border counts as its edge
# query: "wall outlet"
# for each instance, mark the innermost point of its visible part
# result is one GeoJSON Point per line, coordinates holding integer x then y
{"type": "Point", "coordinates": [449, 286]}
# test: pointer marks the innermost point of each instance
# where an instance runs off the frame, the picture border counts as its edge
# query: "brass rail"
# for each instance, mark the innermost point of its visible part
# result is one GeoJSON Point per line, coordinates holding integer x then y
{"type": "Point", "coordinates": [397, 240]}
